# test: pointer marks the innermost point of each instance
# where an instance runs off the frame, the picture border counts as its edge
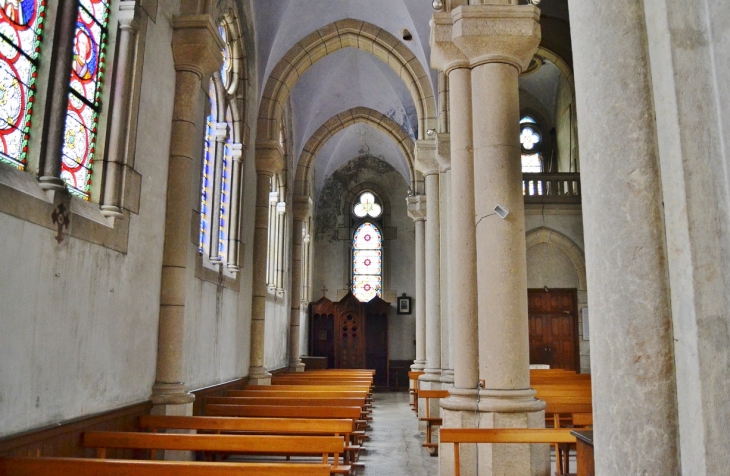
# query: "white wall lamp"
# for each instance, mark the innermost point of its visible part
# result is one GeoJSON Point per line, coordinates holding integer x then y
{"type": "Point", "coordinates": [501, 211]}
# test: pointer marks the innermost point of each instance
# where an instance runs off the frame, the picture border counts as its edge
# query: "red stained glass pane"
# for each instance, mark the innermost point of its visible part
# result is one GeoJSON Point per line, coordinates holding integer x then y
{"type": "Point", "coordinates": [84, 105]}
{"type": "Point", "coordinates": [21, 28]}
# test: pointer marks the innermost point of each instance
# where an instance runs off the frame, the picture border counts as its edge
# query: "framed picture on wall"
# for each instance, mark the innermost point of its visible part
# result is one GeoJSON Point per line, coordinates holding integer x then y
{"type": "Point", "coordinates": [404, 304]}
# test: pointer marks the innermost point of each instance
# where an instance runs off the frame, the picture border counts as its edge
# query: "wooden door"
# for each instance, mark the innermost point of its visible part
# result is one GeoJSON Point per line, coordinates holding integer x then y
{"type": "Point", "coordinates": [553, 322]}
{"type": "Point", "coordinates": [350, 337]}
{"type": "Point", "coordinates": [376, 355]}
{"type": "Point", "coordinates": [322, 330]}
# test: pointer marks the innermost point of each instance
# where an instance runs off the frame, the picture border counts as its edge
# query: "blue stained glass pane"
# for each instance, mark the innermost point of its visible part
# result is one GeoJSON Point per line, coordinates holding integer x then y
{"type": "Point", "coordinates": [205, 184]}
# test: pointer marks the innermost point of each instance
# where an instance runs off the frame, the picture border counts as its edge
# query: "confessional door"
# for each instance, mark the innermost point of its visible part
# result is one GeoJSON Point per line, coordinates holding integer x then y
{"type": "Point", "coordinates": [553, 322]}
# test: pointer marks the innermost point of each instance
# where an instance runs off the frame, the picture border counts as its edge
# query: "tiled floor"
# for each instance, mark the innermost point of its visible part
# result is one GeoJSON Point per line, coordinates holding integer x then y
{"type": "Point", "coordinates": [394, 447]}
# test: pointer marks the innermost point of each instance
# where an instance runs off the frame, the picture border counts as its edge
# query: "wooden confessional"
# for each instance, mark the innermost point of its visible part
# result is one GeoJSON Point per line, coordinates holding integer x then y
{"type": "Point", "coordinates": [351, 334]}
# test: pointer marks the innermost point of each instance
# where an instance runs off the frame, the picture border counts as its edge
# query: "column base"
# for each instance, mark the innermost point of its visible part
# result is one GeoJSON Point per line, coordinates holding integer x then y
{"type": "Point", "coordinates": [418, 365]}
{"type": "Point", "coordinates": [173, 409]}
{"type": "Point", "coordinates": [495, 409]}
{"type": "Point", "coordinates": [296, 365]}
{"type": "Point", "coordinates": [259, 376]}
{"type": "Point", "coordinates": [112, 211]}
{"type": "Point", "coordinates": [447, 378]}
{"type": "Point", "coordinates": [171, 394]}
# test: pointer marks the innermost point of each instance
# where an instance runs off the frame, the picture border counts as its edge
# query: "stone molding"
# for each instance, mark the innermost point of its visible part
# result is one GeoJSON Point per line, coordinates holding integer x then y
{"type": "Point", "coordinates": [341, 121]}
{"type": "Point", "coordinates": [269, 157]}
{"type": "Point", "coordinates": [303, 207]}
{"type": "Point", "coordinates": [196, 45]}
{"type": "Point", "coordinates": [416, 207]}
{"type": "Point", "coordinates": [472, 35]}
{"type": "Point", "coordinates": [348, 33]}
{"type": "Point", "coordinates": [426, 161]}
{"type": "Point", "coordinates": [443, 150]}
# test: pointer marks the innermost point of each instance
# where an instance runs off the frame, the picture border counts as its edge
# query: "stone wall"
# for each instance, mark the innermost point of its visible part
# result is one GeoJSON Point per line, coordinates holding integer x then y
{"type": "Point", "coordinates": [332, 263]}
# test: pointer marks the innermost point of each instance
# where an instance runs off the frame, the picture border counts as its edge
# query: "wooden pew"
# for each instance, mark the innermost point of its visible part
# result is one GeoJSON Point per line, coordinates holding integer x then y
{"type": "Point", "coordinates": [431, 422]}
{"type": "Point", "coordinates": [109, 467]}
{"type": "Point", "coordinates": [413, 389]}
{"type": "Point", "coordinates": [458, 436]}
{"type": "Point", "coordinates": [562, 451]}
{"type": "Point", "coordinates": [276, 445]}
{"type": "Point", "coordinates": [288, 402]}
{"type": "Point", "coordinates": [270, 426]}
{"type": "Point", "coordinates": [272, 411]}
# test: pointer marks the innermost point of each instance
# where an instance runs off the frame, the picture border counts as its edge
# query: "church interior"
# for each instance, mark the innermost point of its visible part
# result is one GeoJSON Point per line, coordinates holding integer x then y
{"type": "Point", "coordinates": [515, 205]}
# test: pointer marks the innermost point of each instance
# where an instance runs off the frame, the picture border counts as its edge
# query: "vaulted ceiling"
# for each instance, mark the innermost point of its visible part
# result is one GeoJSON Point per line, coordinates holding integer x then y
{"type": "Point", "coordinates": [351, 77]}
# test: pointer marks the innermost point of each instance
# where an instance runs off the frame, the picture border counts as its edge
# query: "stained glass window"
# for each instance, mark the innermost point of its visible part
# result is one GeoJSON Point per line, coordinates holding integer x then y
{"type": "Point", "coordinates": [84, 101]}
{"type": "Point", "coordinates": [367, 262]}
{"type": "Point", "coordinates": [206, 185]}
{"type": "Point", "coordinates": [21, 28]}
{"type": "Point", "coordinates": [531, 141]}
{"type": "Point", "coordinates": [367, 206]}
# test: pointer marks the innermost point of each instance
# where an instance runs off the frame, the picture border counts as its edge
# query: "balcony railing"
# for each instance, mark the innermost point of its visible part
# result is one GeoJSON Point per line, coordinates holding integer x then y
{"type": "Point", "coordinates": [549, 188]}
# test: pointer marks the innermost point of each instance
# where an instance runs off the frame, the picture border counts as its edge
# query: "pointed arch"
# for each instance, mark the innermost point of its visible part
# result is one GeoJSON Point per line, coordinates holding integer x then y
{"type": "Point", "coordinates": [347, 33]}
{"type": "Point", "coordinates": [341, 121]}
{"type": "Point", "coordinates": [564, 244]}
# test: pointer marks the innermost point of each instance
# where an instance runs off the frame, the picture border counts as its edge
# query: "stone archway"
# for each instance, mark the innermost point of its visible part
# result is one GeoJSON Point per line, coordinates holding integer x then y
{"type": "Point", "coordinates": [564, 244]}
{"type": "Point", "coordinates": [347, 33]}
{"type": "Point", "coordinates": [341, 121]}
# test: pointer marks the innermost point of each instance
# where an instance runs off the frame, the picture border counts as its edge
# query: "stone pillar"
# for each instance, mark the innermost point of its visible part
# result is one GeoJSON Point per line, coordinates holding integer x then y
{"type": "Point", "coordinates": [220, 132]}
{"type": "Point", "coordinates": [58, 89]}
{"type": "Point", "coordinates": [111, 205]}
{"type": "Point", "coordinates": [443, 155]}
{"type": "Point", "coordinates": [271, 234]}
{"type": "Point", "coordinates": [269, 161]}
{"type": "Point", "coordinates": [632, 346]}
{"type": "Point", "coordinates": [196, 47]}
{"type": "Point", "coordinates": [234, 204]}
{"type": "Point", "coordinates": [302, 211]}
{"type": "Point", "coordinates": [417, 211]}
{"type": "Point", "coordinates": [497, 42]}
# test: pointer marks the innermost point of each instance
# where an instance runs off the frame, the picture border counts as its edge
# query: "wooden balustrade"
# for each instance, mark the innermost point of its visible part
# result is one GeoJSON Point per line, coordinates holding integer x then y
{"type": "Point", "coordinates": [551, 188]}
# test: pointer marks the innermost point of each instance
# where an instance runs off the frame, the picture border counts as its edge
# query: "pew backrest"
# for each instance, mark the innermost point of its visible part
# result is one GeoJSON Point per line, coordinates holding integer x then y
{"type": "Point", "coordinates": [287, 401]}
{"type": "Point", "coordinates": [107, 467]}
{"type": "Point", "coordinates": [272, 411]}
{"type": "Point", "coordinates": [274, 426]}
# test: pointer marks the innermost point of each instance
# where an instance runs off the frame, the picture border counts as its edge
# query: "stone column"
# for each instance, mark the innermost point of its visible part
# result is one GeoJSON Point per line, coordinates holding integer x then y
{"type": "Point", "coordinates": [417, 211]}
{"type": "Point", "coordinates": [220, 132]}
{"type": "Point", "coordinates": [111, 205]}
{"type": "Point", "coordinates": [234, 204]}
{"type": "Point", "coordinates": [196, 47]}
{"type": "Point", "coordinates": [497, 42]}
{"type": "Point", "coordinates": [302, 211]}
{"type": "Point", "coordinates": [428, 165]}
{"type": "Point", "coordinates": [57, 103]}
{"type": "Point", "coordinates": [269, 161]}
{"type": "Point", "coordinates": [443, 155]}
{"type": "Point", "coordinates": [271, 235]}
{"type": "Point", "coordinates": [632, 347]}
{"type": "Point", "coordinates": [281, 232]}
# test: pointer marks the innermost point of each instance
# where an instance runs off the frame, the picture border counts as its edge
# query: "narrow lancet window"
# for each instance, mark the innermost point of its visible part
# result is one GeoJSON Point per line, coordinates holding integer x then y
{"type": "Point", "coordinates": [84, 99]}
{"type": "Point", "coordinates": [367, 262]}
{"type": "Point", "coordinates": [21, 29]}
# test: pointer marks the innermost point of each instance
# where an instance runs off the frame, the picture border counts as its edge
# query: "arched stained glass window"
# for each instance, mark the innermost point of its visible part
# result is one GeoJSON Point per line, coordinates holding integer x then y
{"type": "Point", "coordinates": [367, 262]}
{"type": "Point", "coordinates": [531, 141]}
{"type": "Point", "coordinates": [206, 183]}
{"type": "Point", "coordinates": [21, 28]}
{"type": "Point", "coordinates": [84, 101]}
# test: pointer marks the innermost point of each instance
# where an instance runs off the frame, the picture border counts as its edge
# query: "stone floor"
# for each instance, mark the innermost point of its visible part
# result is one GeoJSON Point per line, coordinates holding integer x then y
{"type": "Point", "coordinates": [394, 447]}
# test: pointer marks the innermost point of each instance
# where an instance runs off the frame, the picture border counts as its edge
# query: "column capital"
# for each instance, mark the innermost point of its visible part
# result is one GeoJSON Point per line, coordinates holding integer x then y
{"type": "Point", "coordinates": [497, 33]}
{"type": "Point", "coordinates": [281, 208]}
{"type": "Point", "coordinates": [196, 45]}
{"type": "Point", "coordinates": [416, 207]}
{"type": "Point", "coordinates": [443, 150]}
{"type": "Point", "coordinates": [235, 151]}
{"type": "Point", "coordinates": [126, 17]}
{"type": "Point", "coordinates": [273, 198]}
{"type": "Point", "coordinates": [445, 55]}
{"type": "Point", "coordinates": [303, 207]}
{"type": "Point", "coordinates": [269, 157]}
{"type": "Point", "coordinates": [425, 152]}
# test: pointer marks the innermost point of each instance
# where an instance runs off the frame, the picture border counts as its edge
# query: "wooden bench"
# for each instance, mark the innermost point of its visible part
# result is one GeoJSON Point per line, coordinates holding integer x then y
{"type": "Point", "coordinates": [458, 436]}
{"type": "Point", "coordinates": [272, 411]}
{"type": "Point", "coordinates": [269, 445]}
{"type": "Point", "coordinates": [431, 422]}
{"type": "Point", "coordinates": [562, 451]}
{"type": "Point", "coordinates": [413, 389]}
{"type": "Point", "coordinates": [270, 426]}
{"type": "Point", "coordinates": [109, 467]}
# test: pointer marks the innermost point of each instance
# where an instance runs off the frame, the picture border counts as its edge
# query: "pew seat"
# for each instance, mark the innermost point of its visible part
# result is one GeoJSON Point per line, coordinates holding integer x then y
{"type": "Point", "coordinates": [109, 467]}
